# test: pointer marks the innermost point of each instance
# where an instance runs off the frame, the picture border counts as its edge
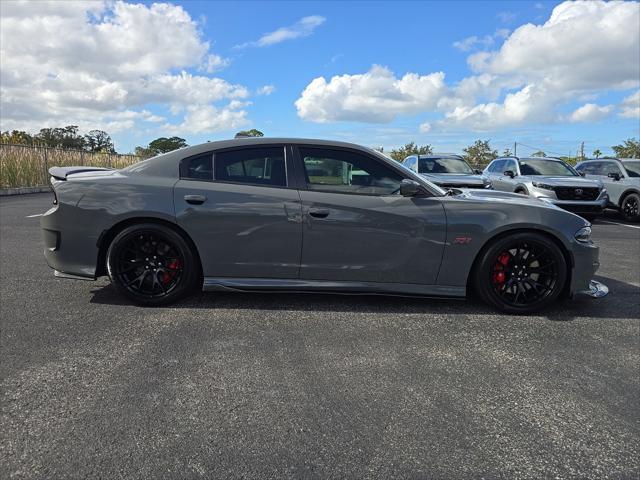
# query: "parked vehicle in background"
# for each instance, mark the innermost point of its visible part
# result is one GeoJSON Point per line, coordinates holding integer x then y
{"type": "Point", "coordinates": [446, 171]}
{"type": "Point", "coordinates": [549, 179]}
{"type": "Point", "coordinates": [286, 214]}
{"type": "Point", "coordinates": [621, 177]}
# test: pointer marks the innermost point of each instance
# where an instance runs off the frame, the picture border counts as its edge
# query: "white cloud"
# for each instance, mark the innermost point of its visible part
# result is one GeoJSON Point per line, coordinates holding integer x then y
{"type": "Point", "coordinates": [425, 127]}
{"type": "Point", "coordinates": [590, 112]}
{"type": "Point", "coordinates": [473, 42]}
{"type": "Point", "coordinates": [375, 96]}
{"type": "Point", "coordinates": [266, 90]}
{"type": "Point", "coordinates": [507, 17]}
{"type": "Point", "coordinates": [302, 28]}
{"type": "Point", "coordinates": [630, 106]}
{"type": "Point", "coordinates": [99, 64]}
{"type": "Point", "coordinates": [208, 118]}
{"type": "Point", "coordinates": [584, 49]}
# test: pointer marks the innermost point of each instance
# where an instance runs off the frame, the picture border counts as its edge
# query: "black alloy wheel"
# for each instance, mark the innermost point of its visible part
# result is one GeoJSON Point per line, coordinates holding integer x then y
{"type": "Point", "coordinates": [151, 264]}
{"type": "Point", "coordinates": [630, 207]}
{"type": "Point", "coordinates": [521, 273]}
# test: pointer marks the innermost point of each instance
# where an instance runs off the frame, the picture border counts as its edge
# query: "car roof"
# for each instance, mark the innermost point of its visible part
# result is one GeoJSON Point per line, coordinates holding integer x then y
{"type": "Point", "coordinates": [440, 155]}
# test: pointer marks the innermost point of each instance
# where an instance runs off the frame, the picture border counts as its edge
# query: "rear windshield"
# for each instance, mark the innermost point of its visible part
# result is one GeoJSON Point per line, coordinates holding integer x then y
{"type": "Point", "coordinates": [443, 165]}
{"type": "Point", "coordinates": [532, 166]}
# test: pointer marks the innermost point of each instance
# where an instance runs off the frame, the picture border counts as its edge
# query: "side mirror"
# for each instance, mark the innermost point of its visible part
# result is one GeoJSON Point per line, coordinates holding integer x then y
{"type": "Point", "coordinates": [409, 188]}
{"type": "Point", "coordinates": [582, 174]}
{"type": "Point", "coordinates": [509, 173]}
{"type": "Point", "coordinates": [477, 171]}
{"type": "Point", "coordinates": [615, 176]}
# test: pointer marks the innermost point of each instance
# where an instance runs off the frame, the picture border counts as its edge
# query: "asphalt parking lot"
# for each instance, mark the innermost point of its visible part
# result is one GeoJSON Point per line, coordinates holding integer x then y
{"type": "Point", "coordinates": [273, 386]}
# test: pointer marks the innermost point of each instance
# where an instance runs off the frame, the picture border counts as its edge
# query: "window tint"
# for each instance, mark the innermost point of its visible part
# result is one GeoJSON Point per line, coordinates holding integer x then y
{"type": "Point", "coordinates": [496, 167]}
{"type": "Point", "coordinates": [591, 168]}
{"type": "Point", "coordinates": [197, 168]}
{"type": "Point", "coordinates": [609, 167]}
{"type": "Point", "coordinates": [444, 165]}
{"type": "Point", "coordinates": [509, 165]}
{"type": "Point", "coordinates": [256, 166]}
{"type": "Point", "coordinates": [347, 172]}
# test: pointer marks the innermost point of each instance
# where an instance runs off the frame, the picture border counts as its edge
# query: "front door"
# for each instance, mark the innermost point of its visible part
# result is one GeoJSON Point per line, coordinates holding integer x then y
{"type": "Point", "coordinates": [357, 226]}
{"type": "Point", "coordinates": [240, 211]}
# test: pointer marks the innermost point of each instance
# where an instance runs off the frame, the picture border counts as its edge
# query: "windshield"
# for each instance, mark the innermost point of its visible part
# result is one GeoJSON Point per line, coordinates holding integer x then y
{"type": "Point", "coordinates": [633, 168]}
{"type": "Point", "coordinates": [534, 166]}
{"type": "Point", "coordinates": [444, 165]}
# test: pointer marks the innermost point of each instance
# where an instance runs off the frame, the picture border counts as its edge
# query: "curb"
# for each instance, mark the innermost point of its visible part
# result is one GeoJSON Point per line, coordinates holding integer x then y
{"type": "Point", "coordinates": [23, 190]}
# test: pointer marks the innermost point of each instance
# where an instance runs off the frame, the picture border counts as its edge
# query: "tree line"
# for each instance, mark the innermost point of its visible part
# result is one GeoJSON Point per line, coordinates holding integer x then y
{"type": "Point", "coordinates": [481, 153]}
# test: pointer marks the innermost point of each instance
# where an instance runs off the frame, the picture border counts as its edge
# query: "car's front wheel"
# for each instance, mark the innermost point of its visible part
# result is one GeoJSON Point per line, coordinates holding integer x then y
{"type": "Point", "coordinates": [521, 273]}
{"type": "Point", "coordinates": [630, 207]}
{"type": "Point", "coordinates": [151, 264]}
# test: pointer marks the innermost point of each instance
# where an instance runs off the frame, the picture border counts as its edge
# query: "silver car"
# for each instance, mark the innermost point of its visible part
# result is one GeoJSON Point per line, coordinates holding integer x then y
{"type": "Point", "coordinates": [549, 179]}
{"type": "Point", "coordinates": [288, 214]}
{"type": "Point", "coordinates": [446, 171]}
{"type": "Point", "coordinates": [621, 177]}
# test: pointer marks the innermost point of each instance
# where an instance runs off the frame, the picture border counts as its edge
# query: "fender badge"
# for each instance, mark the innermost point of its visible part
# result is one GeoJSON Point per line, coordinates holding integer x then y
{"type": "Point", "coordinates": [462, 240]}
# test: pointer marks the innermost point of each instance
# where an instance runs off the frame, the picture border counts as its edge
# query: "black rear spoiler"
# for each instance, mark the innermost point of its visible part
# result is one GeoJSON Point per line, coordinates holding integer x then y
{"type": "Point", "coordinates": [61, 173]}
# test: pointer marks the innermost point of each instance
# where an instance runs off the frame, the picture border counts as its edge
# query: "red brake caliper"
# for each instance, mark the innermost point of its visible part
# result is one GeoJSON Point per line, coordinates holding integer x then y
{"type": "Point", "coordinates": [168, 275]}
{"type": "Point", "coordinates": [499, 276]}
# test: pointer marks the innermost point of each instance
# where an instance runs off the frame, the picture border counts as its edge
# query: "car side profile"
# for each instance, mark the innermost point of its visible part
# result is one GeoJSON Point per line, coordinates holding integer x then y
{"type": "Point", "coordinates": [308, 215]}
{"type": "Point", "coordinates": [549, 179]}
{"type": "Point", "coordinates": [621, 177]}
{"type": "Point", "coordinates": [446, 171]}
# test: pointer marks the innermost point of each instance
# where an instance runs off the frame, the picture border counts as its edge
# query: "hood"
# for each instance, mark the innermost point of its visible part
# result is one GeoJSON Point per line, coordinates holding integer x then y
{"type": "Point", "coordinates": [455, 179]}
{"type": "Point", "coordinates": [566, 181]}
{"type": "Point", "coordinates": [496, 196]}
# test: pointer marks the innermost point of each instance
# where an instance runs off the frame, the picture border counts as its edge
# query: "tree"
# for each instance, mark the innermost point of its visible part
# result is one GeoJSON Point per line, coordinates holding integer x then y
{"type": "Point", "coordinates": [61, 137]}
{"type": "Point", "coordinates": [629, 149]}
{"type": "Point", "coordinates": [249, 133]}
{"type": "Point", "coordinates": [507, 153]}
{"type": "Point", "coordinates": [164, 145]}
{"type": "Point", "coordinates": [411, 148]}
{"type": "Point", "coordinates": [98, 141]}
{"type": "Point", "coordinates": [17, 137]}
{"type": "Point", "coordinates": [597, 153]}
{"type": "Point", "coordinates": [480, 153]}
{"type": "Point", "coordinates": [539, 153]}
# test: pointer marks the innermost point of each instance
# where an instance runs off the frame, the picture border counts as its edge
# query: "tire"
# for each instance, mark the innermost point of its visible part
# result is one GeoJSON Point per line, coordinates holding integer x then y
{"type": "Point", "coordinates": [152, 264]}
{"type": "Point", "coordinates": [520, 273]}
{"type": "Point", "coordinates": [630, 207]}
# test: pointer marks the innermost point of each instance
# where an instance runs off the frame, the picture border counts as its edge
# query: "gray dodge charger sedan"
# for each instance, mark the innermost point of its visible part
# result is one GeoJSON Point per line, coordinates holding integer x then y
{"type": "Point", "coordinates": [308, 215]}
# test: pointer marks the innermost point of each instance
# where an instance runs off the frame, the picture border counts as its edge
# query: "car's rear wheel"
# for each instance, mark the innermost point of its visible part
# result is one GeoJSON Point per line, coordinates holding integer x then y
{"type": "Point", "coordinates": [630, 207]}
{"type": "Point", "coordinates": [521, 273]}
{"type": "Point", "coordinates": [151, 264]}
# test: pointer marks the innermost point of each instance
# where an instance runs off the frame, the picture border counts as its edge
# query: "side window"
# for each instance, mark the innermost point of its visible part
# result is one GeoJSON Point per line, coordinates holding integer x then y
{"type": "Point", "coordinates": [509, 165]}
{"type": "Point", "coordinates": [591, 168]}
{"type": "Point", "coordinates": [609, 167]}
{"type": "Point", "coordinates": [342, 171]}
{"type": "Point", "coordinates": [197, 168]}
{"type": "Point", "coordinates": [410, 163]}
{"type": "Point", "coordinates": [255, 166]}
{"type": "Point", "coordinates": [496, 166]}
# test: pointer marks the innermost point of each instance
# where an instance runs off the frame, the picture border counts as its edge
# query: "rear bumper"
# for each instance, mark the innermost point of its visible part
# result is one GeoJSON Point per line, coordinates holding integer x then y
{"type": "Point", "coordinates": [68, 247]}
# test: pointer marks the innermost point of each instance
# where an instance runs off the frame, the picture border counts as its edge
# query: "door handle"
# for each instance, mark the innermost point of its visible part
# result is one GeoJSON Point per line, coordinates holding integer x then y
{"type": "Point", "coordinates": [195, 199]}
{"type": "Point", "coordinates": [319, 212]}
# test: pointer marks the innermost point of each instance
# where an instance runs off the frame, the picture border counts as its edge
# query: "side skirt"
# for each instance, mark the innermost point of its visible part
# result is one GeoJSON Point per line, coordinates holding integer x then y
{"type": "Point", "coordinates": [212, 284]}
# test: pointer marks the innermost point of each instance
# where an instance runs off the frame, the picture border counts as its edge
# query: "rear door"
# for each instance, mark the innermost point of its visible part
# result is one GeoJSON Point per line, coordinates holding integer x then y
{"type": "Point", "coordinates": [241, 211]}
{"type": "Point", "coordinates": [357, 226]}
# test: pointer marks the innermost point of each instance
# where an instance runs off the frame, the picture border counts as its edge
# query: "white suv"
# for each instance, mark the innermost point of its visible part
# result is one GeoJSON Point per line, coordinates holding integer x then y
{"type": "Point", "coordinates": [621, 177]}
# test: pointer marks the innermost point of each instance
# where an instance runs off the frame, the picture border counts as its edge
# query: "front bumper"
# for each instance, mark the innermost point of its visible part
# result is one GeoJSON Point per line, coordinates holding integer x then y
{"type": "Point", "coordinates": [595, 207]}
{"type": "Point", "coordinates": [586, 261]}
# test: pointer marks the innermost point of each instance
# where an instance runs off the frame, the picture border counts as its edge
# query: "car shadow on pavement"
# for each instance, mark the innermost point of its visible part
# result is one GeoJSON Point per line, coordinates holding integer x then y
{"type": "Point", "coordinates": [621, 303]}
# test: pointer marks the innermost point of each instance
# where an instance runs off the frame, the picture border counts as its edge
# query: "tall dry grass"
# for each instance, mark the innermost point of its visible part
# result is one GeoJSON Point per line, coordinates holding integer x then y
{"type": "Point", "coordinates": [27, 166]}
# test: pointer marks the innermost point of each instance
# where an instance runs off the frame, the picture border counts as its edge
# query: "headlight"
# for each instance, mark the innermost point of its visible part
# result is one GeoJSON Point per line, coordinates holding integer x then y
{"type": "Point", "coordinates": [583, 235]}
{"type": "Point", "coordinates": [487, 183]}
{"type": "Point", "coordinates": [544, 186]}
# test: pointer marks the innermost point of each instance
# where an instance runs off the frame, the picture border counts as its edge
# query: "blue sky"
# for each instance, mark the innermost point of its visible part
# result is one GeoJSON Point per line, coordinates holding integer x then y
{"type": "Point", "coordinates": [391, 71]}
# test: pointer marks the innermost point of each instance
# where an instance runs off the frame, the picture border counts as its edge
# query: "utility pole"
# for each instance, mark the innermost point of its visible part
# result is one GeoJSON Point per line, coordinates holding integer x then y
{"type": "Point", "coordinates": [582, 151]}
{"type": "Point", "coordinates": [515, 149]}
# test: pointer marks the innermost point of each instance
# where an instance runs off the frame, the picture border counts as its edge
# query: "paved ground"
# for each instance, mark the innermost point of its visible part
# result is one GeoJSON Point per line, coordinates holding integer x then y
{"type": "Point", "coordinates": [272, 386]}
